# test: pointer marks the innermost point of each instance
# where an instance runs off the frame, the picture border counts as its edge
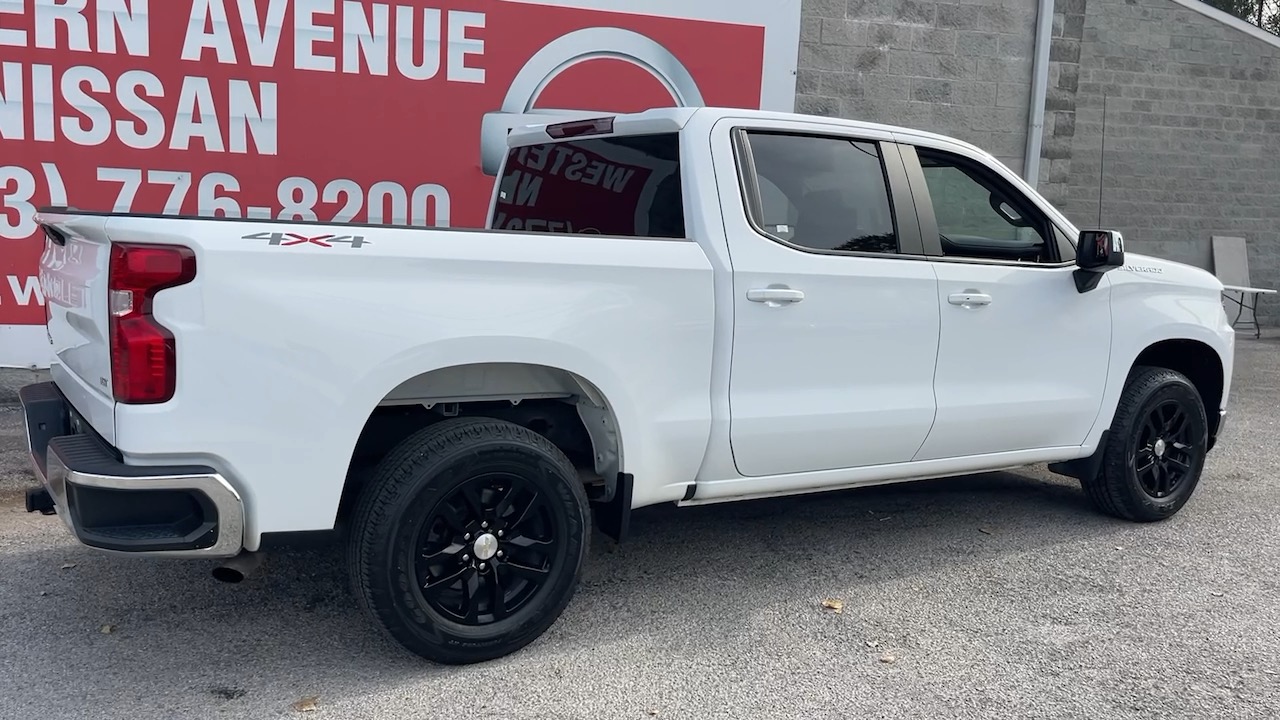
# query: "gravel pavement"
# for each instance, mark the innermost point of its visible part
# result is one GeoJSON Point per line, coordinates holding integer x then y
{"type": "Point", "coordinates": [993, 596]}
{"type": "Point", "coordinates": [11, 379]}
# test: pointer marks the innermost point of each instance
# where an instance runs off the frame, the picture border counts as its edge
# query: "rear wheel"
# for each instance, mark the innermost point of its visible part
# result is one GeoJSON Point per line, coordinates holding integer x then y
{"type": "Point", "coordinates": [468, 541]}
{"type": "Point", "coordinates": [1155, 449]}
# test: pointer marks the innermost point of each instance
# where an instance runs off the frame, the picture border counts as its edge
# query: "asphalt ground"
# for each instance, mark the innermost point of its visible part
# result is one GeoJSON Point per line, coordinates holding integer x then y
{"type": "Point", "coordinates": [992, 596]}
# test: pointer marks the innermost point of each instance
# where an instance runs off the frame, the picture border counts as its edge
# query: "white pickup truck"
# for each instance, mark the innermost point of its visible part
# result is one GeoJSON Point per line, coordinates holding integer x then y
{"type": "Point", "coordinates": [677, 306]}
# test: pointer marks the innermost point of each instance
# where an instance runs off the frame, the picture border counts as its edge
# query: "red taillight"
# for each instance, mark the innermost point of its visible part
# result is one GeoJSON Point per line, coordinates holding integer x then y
{"type": "Point", "coordinates": [144, 364]}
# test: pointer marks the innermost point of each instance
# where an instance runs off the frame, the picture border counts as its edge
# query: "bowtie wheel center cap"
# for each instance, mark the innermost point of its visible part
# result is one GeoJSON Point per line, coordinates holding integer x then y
{"type": "Point", "coordinates": [486, 546]}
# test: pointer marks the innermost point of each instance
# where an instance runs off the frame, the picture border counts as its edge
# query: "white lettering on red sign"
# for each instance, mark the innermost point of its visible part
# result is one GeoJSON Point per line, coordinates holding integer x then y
{"type": "Point", "coordinates": [214, 194]}
{"type": "Point", "coordinates": [358, 35]}
{"type": "Point", "coordinates": [125, 20]}
{"type": "Point", "coordinates": [25, 291]}
{"type": "Point", "coordinates": [85, 106]}
{"type": "Point", "coordinates": [246, 118]}
{"type": "Point", "coordinates": [11, 36]}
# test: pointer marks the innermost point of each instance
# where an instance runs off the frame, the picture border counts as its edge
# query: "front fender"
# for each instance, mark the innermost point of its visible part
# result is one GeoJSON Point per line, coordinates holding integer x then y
{"type": "Point", "coordinates": [1145, 313]}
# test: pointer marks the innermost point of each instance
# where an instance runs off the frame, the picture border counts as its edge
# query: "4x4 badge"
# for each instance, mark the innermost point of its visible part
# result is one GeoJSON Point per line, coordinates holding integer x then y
{"type": "Point", "coordinates": [288, 238]}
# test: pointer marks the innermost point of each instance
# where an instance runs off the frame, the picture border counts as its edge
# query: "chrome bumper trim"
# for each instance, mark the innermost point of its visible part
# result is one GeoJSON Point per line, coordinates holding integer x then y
{"type": "Point", "coordinates": [55, 475]}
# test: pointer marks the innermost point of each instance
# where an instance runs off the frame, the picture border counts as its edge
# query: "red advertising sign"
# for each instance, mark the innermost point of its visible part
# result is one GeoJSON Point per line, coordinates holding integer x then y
{"type": "Point", "coordinates": [330, 110]}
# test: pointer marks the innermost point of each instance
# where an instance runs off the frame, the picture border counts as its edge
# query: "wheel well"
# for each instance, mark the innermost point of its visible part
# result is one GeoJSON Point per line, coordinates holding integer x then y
{"type": "Point", "coordinates": [561, 406]}
{"type": "Point", "coordinates": [1199, 363]}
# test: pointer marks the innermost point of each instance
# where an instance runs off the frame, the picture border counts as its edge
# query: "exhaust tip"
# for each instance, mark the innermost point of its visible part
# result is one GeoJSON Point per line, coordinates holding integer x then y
{"type": "Point", "coordinates": [227, 575]}
{"type": "Point", "coordinates": [237, 568]}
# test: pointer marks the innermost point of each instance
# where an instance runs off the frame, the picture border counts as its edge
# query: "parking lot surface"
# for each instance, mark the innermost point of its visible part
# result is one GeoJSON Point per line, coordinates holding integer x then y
{"type": "Point", "coordinates": [992, 596]}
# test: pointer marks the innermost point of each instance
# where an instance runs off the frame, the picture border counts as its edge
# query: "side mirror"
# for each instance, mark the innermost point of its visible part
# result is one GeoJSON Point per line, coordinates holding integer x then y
{"type": "Point", "coordinates": [1097, 251]}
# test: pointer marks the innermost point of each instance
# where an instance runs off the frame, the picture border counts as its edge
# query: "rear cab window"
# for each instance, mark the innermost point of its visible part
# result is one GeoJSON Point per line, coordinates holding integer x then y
{"type": "Point", "coordinates": [625, 185]}
{"type": "Point", "coordinates": [823, 193]}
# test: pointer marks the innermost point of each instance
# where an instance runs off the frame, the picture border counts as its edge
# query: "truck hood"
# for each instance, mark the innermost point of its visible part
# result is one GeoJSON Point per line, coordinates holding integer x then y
{"type": "Point", "coordinates": [1144, 268]}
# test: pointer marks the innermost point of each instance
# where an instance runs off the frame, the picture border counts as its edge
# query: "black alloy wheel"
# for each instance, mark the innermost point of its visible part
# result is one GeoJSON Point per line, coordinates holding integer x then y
{"type": "Point", "coordinates": [468, 541]}
{"type": "Point", "coordinates": [487, 549]}
{"type": "Point", "coordinates": [1166, 452]}
{"type": "Point", "coordinates": [1155, 448]}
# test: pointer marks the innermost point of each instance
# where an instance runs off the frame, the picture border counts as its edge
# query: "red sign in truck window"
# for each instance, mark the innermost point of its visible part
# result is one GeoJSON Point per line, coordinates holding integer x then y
{"type": "Point", "coordinates": [627, 186]}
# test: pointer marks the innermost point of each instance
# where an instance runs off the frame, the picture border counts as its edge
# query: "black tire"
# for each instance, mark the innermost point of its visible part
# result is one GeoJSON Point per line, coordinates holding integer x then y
{"type": "Point", "coordinates": [1143, 480]}
{"type": "Point", "coordinates": [419, 503]}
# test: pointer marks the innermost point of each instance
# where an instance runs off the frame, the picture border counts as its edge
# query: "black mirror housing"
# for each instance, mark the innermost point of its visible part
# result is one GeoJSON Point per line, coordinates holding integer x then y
{"type": "Point", "coordinates": [1097, 251]}
{"type": "Point", "coordinates": [1100, 250]}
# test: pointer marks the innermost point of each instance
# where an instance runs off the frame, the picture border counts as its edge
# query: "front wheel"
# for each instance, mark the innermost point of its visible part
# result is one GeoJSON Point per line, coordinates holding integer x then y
{"type": "Point", "coordinates": [1155, 449]}
{"type": "Point", "coordinates": [469, 540]}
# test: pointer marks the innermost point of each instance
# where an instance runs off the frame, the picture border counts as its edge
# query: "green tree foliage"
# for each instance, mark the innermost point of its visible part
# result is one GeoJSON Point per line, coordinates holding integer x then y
{"type": "Point", "coordinates": [1263, 13]}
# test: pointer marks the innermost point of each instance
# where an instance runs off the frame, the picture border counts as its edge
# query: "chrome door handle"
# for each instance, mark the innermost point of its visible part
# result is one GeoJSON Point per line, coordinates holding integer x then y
{"type": "Point", "coordinates": [969, 299]}
{"type": "Point", "coordinates": [775, 297]}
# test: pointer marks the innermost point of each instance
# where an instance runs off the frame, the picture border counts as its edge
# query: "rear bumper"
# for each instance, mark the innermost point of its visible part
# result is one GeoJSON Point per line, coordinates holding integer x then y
{"type": "Point", "coordinates": [177, 511]}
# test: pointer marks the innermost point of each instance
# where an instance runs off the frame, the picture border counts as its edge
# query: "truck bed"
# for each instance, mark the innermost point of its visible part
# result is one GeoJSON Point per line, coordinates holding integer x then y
{"type": "Point", "coordinates": [347, 312]}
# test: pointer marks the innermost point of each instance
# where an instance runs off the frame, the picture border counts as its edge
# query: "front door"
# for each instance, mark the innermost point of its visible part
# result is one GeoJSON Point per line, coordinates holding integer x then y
{"type": "Point", "coordinates": [835, 309]}
{"type": "Point", "coordinates": [1022, 355]}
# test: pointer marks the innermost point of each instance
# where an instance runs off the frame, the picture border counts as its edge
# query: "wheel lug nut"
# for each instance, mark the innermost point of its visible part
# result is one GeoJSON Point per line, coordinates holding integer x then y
{"type": "Point", "coordinates": [466, 558]}
{"type": "Point", "coordinates": [499, 553]}
{"type": "Point", "coordinates": [481, 566]}
{"type": "Point", "coordinates": [484, 524]}
{"type": "Point", "coordinates": [467, 536]}
{"type": "Point", "coordinates": [499, 533]}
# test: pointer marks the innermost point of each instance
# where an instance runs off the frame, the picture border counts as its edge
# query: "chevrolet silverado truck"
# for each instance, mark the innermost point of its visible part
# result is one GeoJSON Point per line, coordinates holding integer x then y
{"type": "Point", "coordinates": [682, 305]}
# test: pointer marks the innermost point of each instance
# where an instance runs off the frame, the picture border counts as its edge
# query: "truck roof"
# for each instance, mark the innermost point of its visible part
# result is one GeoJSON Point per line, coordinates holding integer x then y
{"type": "Point", "coordinates": [673, 119]}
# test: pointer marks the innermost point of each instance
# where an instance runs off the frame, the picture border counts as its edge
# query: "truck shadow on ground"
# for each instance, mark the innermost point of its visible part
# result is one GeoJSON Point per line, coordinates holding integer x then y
{"type": "Point", "coordinates": [295, 626]}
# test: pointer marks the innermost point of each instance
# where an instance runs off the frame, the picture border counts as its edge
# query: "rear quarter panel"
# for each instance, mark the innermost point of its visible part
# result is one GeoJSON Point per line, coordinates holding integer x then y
{"type": "Point", "coordinates": [284, 351]}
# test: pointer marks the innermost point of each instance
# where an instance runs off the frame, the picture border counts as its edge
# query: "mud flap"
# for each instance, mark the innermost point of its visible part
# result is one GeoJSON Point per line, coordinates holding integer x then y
{"type": "Point", "coordinates": [1085, 467]}
{"type": "Point", "coordinates": [613, 516]}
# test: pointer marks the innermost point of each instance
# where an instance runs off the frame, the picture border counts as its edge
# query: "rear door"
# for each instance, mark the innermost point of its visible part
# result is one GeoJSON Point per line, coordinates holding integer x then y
{"type": "Point", "coordinates": [73, 278]}
{"type": "Point", "coordinates": [835, 309]}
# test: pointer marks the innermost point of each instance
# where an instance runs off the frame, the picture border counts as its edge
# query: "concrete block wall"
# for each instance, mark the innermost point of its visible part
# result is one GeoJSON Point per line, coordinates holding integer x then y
{"type": "Point", "coordinates": [962, 68]}
{"type": "Point", "coordinates": [1193, 107]}
{"type": "Point", "coordinates": [1192, 131]}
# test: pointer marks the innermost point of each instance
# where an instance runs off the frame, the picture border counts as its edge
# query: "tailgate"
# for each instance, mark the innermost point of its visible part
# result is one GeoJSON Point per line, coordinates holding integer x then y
{"type": "Point", "coordinates": [73, 278]}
